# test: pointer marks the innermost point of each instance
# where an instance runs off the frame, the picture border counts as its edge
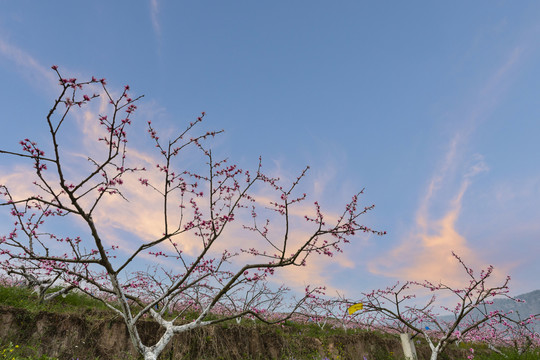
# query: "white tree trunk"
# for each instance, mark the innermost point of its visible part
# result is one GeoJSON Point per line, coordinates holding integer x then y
{"type": "Point", "coordinates": [149, 355]}
{"type": "Point", "coordinates": [435, 352]}
{"type": "Point", "coordinates": [434, 349]}
{"type": "Point", "coordinates": [409, 350]}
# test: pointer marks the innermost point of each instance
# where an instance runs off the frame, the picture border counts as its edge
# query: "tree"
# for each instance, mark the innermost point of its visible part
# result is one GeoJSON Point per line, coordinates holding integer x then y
{"type": "Point", "coordinates": [511, 331]}
{"type": "Point", "coordinates": [332, 311]}
{"type": "Point", "coordinates": [198, 206]}
{"type": "Point", "coordinates": [469, 316]}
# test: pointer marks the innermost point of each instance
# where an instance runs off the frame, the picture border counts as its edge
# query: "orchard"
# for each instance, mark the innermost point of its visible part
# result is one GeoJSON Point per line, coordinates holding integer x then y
{"type": "Point", "coordinates": [223, 234]}
{"type": "Point", "coordinates": [198, 205]}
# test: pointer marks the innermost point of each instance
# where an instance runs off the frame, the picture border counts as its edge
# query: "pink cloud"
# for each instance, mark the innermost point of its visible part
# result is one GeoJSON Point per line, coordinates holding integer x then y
{"type": "Point", "coordinates": [426, 252]}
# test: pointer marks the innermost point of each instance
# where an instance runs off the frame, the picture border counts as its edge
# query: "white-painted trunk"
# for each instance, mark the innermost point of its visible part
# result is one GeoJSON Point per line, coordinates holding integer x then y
{"type": "Point", "coordinates": [491, 347]}
{"type": "Point", "coordinates": [434, 349]}
{"type": "Point", "coordinates": [435, 352]}
{"type": "Point", "coordinates": [409, 350]}
{"type": "Point", "coordinates": [149, 355]}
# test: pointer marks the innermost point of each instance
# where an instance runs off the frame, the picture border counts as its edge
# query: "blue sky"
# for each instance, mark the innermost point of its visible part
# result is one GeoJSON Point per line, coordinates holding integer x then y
{"type": "Point", "coordinates": [432, 107]}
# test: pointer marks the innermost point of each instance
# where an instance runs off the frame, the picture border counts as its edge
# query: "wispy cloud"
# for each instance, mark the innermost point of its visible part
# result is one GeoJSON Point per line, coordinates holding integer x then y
{"type": "Point", "coordinates": [154, 16]}
{"type": "Point", "coordinates": [425, 251]}
{"type": "Point", "coordinates": [30, 68]}
{"type": "Point", "coordinates": [130, 223]}
{"type": "Point", "coordinates": [493, 85]}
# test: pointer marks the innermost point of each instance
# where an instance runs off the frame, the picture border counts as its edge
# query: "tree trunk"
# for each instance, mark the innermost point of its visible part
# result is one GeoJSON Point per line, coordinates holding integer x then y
{"type": "Point", "coordinates": [149, 355]}
{"type": "Point", "coordinates": [409, 349]}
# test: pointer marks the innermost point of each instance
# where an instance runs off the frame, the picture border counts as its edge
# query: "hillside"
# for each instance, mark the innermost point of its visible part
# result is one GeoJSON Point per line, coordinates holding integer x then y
{"type": "Point", "coordinates": [93, 335]}
{"type": "Point", "coordinates": [531, 306]}
{"type": "Point", "coordinates": [77, 327]}
{"type": "Point", "coordinates": [522, 310]}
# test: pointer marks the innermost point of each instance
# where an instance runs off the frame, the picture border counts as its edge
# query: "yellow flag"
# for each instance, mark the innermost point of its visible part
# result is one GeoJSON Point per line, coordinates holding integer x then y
{"type": "Point", "coordinates": [355, 308]}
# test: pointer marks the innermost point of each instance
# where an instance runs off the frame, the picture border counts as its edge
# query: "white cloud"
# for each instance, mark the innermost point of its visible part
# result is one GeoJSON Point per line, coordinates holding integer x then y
{"type": "Point", "coordinates": [425, 252]}
{"type": "Point", "coordinates": [34, 72]}
{"type": "Point", "coordinates": [154, 15]}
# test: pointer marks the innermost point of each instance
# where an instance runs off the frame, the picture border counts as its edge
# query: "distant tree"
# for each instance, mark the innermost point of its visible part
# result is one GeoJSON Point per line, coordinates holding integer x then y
{"type": "Point", "coordinates": [197, 203]}
{"type": "Point", "coordinates": [42, 285]}
{"type": "Point", "coordinates": [332, 311]}
{"type": "Point", "coordinates": [511, 332]}
{"type": "Point", "coordinates": [396, 309]}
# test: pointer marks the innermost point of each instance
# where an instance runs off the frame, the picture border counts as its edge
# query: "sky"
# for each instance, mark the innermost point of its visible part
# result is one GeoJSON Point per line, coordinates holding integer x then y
{"type": "Point", "coordinates": [432, 107]}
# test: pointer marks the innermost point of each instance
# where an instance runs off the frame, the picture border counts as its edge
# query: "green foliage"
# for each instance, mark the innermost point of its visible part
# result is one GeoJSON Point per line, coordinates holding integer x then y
{"type": "Point", "coordinates": [15, 296]}
{"type": "Point", "coordinates": [73, 302]}
{"type": "Point", "coordinates": [25, 298]}
{"type": "Point", "coordinates": [9, 352]}
{"type": "Point", "coordinates": [13, 352]}
{"type": "Point", "coordinates": [381, 354]}
{"type": "Point", "coordinates": [510, 354]}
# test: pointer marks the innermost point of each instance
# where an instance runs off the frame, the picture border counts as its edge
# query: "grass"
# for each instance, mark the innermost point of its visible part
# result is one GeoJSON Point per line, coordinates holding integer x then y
{"type": "Point", "coordinates": [13, 352]}
{"type": "Point", "coordinates": [510, 355]}
{"type": "Point", "coordinates": [25, 298]}
{"type": "Point", "coordinates": [79, 303]}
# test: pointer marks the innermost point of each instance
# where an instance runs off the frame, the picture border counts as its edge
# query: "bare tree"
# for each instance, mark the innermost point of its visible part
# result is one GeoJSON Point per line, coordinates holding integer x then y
{"type": "Point", "coordinates": [397, 310]}
{"type": "Point", "coordinates": [198, 205]}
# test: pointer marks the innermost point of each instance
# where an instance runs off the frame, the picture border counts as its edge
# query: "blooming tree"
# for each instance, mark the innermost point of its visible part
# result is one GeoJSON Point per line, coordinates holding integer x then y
{"type": "Point", "coordinates": [42, 284]}
{"type": "Point", "coordinates": [396, 309]}
{"type": "Point", "coordinates": [199, 207]}
{"type": "Point", "coordinates": [332, 311]}
{"type": "Point", "coordinates": [512, 331]}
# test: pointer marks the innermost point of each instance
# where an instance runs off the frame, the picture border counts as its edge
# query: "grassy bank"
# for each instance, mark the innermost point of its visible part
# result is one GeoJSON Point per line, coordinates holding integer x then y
{"type": "Point", "coordinates": [298, 341]}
